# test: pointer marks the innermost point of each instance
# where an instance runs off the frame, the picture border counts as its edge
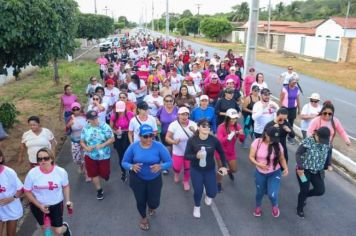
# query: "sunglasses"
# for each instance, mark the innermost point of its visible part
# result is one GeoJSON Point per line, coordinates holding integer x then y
{"type": "Point", "coordinates": [96, 99]}
{"type": "Point", "coordinates": [146, 136]}
{"type": "Point", "coordinates": [168, 100]}
{"type": "Point", "coordinates": [75, 109]}
{"type": "Point", "coordinates": [314, 101]}
{"type": "Point", "coordinates": [39, 159]}
{"type": "Point", "coordinates": [154, 89]}
{"type": "Point", "coordinates": [205, 126]}
{"type": "Point", "coordinates": [327, 113]}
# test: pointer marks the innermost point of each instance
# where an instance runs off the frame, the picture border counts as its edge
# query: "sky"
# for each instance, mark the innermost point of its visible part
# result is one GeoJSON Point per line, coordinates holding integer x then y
{"type": "Point", "coordinates": [133, 9]}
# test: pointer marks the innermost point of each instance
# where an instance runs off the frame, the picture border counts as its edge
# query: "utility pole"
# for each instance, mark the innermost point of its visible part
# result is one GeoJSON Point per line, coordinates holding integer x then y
{"type": "Point", "coordinates": [347, 17]}
{"type": "Point", "coordinates": [167, 21]}
{"type": "Point", "coordinates": [153, 20]}
{"type": "Point", "coordinates": [95, 11]}
{"type": "Point", "coordinates": [250, 57]}
{"type": "Point", "coordinates": [269, 24]}
{"type": "Point", "coordinates": [198, 6]}
{"type": "Point", "coordinates": [106, 9]}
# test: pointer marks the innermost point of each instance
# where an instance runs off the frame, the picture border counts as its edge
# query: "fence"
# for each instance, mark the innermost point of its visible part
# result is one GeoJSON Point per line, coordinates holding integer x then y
{"type": "Point", "coordinates": [348, 50]}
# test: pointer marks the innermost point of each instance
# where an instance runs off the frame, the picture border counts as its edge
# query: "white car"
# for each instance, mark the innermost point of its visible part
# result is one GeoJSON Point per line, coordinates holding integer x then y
{"type": "Point", "coordinates": [105, 44]}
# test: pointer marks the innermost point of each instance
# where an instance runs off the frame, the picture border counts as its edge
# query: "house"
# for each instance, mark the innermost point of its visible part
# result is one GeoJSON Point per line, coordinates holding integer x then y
{"type": "Point", "coordinates": [337, 27]}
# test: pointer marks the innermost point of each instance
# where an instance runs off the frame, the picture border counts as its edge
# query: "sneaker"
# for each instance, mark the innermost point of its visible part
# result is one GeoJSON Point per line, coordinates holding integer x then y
{"type": "Point", "coordinates": [123, 177]}
{"type": "Point", "coordinates": [67, 232]}
{"type": "Point", "coordinates": [231, 176]}
{"type": "Point", "coordinates": [165, 172]}
{"type": "Point", "coordinates": [196, 212]}
{"type": "Point", "coordinates": [300, 213]}
{"type": "Point", "coordinates": [176, 177]}
{"type": "Point", "coordinates": [100, 194]}
{"type": "Point", "coordinates": [220, 189]}
{"type": "Point", "coordinates": [275, 211]}
{"type": "Point", "coordinates": [186, 186]}
{"type": "Point", "coordinates": [257, 212]}
{"type": "Point", "coordinates": [208, 200]}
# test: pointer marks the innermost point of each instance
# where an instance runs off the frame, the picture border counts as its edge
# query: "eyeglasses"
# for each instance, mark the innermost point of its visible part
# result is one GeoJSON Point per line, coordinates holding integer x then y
{"type": "Point", "coordinates": [314, 101]}
{"type": "Point", "coordinates": [75, 109]}
{"type": "Point", "coordinates": [39, 159]}
{"type": "Point", "coordinates": [327, 113]}
{"type": "Point", "coordinates": [168, 100]}
{"type": "Point", "coordinates": [205, 126]}
{"type": "Point", "coordinates": [146, 136]}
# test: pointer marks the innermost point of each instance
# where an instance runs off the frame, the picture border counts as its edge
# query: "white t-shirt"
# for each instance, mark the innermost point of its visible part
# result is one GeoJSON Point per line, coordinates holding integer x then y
{"type": "Point", "coordinates": [133, 87]}
{"type": "Point", "coordinates": [286, 76]}
{"type": "Point", "coordinates": [262, 116]}
{"type": "Point", "coordinates": [308, 109]}
{"type": "Point", "coordinates": [9, 185]}
{"type": "Point", "coordinates": [77, 127]}
{"type": "Point", "coordinates": [131, 97]}
{"type": "Point", "coordinates": [112, 95]}
{"type": "Point", "coordinates": [35, 142]}
{"type": "Point", "coordinates": [260, 86]}
{"type": "Point", "coordinates": [196, 77]}
{"type": "Point", "coordinates": [176, 82]}
{"type": "Point", "coordinates": [134, 125]}
{"type": "Point", "coordinates": [178, 133]}
{"type": "Point", "coordinates": [193, 90]}
{"type": "Point", "coordinates": [91, 88]}
{"type": "Point", "coordinates": [46, 187]}
{"type": "Point", "coordinates": [152, 107]}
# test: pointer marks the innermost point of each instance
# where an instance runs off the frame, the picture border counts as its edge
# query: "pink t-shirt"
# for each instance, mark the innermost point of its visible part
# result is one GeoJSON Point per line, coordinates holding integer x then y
{"type": "Point", "coordinates": [68, 100]}
{"type": "Point", "coordinates": [261, 155]}
{"type": "Point", "coordinates": [229, 146]}
{"type": "Point", "coordinates": [248, 82]}
{"type": "Point", "coordinates": [122, 121]}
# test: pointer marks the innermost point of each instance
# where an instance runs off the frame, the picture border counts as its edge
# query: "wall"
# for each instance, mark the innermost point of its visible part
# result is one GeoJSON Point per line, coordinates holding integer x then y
{"type": "Point", "coordinates": [329, 28]}
{"type": "Point", "coordinates": [235, 37]}
{"type": "Point", "coordinates": [350, 33]}
{"type": "Point", "coordinates": [292, 43]}
{"type": "Point", "coordinates": [314, 46]}
{"type": "Point", "coordinates": [348, 50]}
{"type": "Point", "coordinates": [4, 79]}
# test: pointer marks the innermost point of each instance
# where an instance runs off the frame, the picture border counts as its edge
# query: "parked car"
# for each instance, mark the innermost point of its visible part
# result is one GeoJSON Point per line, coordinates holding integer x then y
{"type": "Point", "coordinates": [105, 44]}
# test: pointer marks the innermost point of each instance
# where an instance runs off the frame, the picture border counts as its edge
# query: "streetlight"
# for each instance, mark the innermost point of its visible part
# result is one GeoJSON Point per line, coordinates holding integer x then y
{"type": "Point", "coordinates": [167, 21]}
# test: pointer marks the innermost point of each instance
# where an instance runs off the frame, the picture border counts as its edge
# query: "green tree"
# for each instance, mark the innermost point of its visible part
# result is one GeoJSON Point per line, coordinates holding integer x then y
{"type": "Point", "coordinates": [186, 14]}
{"type": "Point", "coordinates": [241, 12]}
{"type": "Point", "coordinates": [119, 25]}
{"type": "Point", "coordinates": [92, 26]}
{"type": "Point", "coordinates": [278, 11]}
{"type": "Point", "coordinates": [124, 20]}
{"type": "Point", "coordinates": [215, 28]}
{"type": "Point", "coordinates": [192, 24]}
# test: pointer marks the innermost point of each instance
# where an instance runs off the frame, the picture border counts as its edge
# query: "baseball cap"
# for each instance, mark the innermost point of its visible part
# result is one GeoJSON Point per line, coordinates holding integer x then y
{"type": "Point", "coordinates": [273, 134]}
{"type": "Point", "coordinates": [204, 97]}
{"type": "Point", "coordinates": [232, 113]}
{"type": "Point", "coordinates": [189, 78]}
{"type": "Point", "coordinates": [255, 87]}
{"type": "Point", "coordinates": [110, 81]}
{"type": "Point", "coordinates": [232, 68]}
{"type": "Point", "coordinates": [183, 110]}
{"type": "Point", "coordinates": [229, 90]}
{"type": "Point", "coordinates": [145, 129]}
{"type": "Point", "coordinates": [142, 105]}
{"type": "Point", "coordinates": [230, 81]}
{"type": "Point", "coordinates": [315, 96]}
{"type": "Point", "coordinates": [120, 106]}
{"type": "Point", "coordinates": [324, 135]}
{"type": "Point", "coordinates": [265, 91]}
{"type": "Point", "coordinates": [75, 104]}
{"type": "Point", "coordinates": [92, 115]}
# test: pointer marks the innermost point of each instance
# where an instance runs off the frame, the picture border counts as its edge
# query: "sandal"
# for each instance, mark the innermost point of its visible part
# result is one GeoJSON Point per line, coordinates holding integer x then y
{"type": "Point", "coordinates": [145, 225]}
{"type": "Point", "coordinates": [151, 212]}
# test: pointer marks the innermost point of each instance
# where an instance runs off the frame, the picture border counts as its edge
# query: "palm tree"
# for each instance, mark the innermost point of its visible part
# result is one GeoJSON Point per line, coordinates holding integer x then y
{"type": "Point", "coordinates": [241, 12]}
{"type": "Point", "coordinates": [293, 10]}
{"type": "Point", "coordinates": [279, 11]}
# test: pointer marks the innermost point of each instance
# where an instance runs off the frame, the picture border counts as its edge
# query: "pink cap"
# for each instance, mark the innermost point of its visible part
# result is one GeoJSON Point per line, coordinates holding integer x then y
{"type": "Point", "coordinates": [75, 104]}
{"type": "Point", "coordinates": [120, 106]}
{"type": "Point", "coordinates": [230, 81]}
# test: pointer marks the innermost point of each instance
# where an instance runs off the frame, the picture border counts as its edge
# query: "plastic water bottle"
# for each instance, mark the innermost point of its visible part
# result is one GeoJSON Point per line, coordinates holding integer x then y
{"type": "Point", "coordinates": [202, 161]}
{"type": "Point", "coordinates": [47, 225]}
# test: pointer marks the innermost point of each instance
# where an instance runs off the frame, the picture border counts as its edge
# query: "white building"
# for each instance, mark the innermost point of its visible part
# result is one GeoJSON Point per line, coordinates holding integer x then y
{"type": "Point", "coordinates": [337, 27]}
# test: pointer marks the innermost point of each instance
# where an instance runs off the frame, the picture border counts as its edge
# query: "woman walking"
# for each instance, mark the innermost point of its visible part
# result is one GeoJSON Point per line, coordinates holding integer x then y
{"type": "Point", "coordinates": [224, 104]}
{"type": "Point", "coordinates": [228, 133]}
{"type": "Point", "coordinates": [119, 122]}
{"type": "Point", "coordinates": [266, 153]}
{"type": "Point", "coordinates": [247, 108]}
{"type": "Point", "coordinates": [177, 135]}
{"type": "Point", "coordinates": [204, 111]}
{"type": "Point", "coordinates": [146, 159]}
{"type": "Point", "coordinates": [184, 99]}
{"type": "Point", "coordinates": [66, 100]}
{"type": "Point", "coordinates": [200, 152]}
{"type": "Point", "coordinates": [311, 158]}
{"type": "Point", "coordinates": [309, 112]}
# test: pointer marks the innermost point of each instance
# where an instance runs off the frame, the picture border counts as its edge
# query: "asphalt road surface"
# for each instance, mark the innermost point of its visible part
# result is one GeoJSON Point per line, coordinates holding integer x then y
{"type": "Point", "coordinates": [231, 213]}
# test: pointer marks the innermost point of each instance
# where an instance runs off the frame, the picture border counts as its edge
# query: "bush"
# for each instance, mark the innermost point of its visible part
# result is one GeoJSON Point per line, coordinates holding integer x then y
{"type": "Point", "coordinates": [8, 113]}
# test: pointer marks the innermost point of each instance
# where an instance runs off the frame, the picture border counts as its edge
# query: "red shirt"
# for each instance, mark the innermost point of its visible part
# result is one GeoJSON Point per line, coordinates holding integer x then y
{"type": "Point", "coordinates": [213, 90]}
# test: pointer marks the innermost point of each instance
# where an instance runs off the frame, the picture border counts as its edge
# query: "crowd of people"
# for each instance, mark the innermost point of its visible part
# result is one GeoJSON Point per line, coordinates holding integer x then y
{"type": "Point", "coordinates": [165, 107]}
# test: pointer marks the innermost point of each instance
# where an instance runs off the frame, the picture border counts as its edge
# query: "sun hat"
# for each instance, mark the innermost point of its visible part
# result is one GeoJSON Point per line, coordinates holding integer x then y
{"type": "Point", "coordinates": [315, 96]}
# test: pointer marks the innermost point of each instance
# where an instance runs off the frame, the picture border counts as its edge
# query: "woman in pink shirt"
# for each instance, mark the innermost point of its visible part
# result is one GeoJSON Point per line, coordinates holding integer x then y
{"type": "Point", "coordinates": [326, 118]}
{"type": "Point", "coordinates": [66, 101]}
{"type": "Point", "coordinates": [267, 155]}
{"type": "Point", "coordinates": [248, 81]}
{"type": "Point", "coordinates": [227, 133]}
{"type": "Point", "coordinates": [119, 122]}
{"type": "Point", "coordinates": [233, 76]}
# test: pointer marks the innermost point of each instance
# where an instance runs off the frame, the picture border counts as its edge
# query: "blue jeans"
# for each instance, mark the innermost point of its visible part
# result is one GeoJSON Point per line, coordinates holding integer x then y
{"type": "Point", "coordinates": [267, 184]}
{"type": "Point", "coordinates": [201, 179]}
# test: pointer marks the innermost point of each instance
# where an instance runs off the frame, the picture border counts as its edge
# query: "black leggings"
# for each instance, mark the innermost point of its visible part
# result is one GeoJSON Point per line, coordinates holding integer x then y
{"type": "Point", "coordinates": [292, 114]}
{"type": "Point", "coordinates": [120, 146]}
{"type": "Point", "coordinates": [317, 180]}
{"type": "Point", "coordinates": [147, 192]}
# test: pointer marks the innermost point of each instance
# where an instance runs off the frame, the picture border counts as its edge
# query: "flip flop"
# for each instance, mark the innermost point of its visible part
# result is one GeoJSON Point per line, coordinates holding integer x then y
{"type": "Point", "coordinates": [145, 226]}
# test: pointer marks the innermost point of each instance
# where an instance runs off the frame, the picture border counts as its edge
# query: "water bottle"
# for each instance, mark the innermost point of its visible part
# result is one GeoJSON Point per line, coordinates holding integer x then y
{"type": "Point", "coordinates": [47, 225]}
{"type": "Point", "coordinates": [69, 210]}
{"type": "Point", "coordinates": [202, 161]}
{"type": "Point", "coordinates": [119, 133]}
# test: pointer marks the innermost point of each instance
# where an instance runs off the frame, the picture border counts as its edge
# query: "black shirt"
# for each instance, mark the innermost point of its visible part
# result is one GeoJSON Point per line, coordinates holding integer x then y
{"type": "Point", "coordinates": [222, 105]}
{"type": "Point", "coordinates": [211, 145]}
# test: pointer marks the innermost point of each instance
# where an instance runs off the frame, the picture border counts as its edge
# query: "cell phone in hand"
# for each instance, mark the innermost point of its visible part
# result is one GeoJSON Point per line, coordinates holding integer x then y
{"type": "Point", "coordinates": [220, 172]}
{"type": "Point", "coordinates": [303, 178]}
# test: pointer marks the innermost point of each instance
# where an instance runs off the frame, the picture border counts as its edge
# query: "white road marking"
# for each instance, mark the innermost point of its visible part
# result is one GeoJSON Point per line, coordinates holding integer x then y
{"type": "Point", "coordinates": [223, 228]}
{"type": "Point", "coordinates": [348, 103]}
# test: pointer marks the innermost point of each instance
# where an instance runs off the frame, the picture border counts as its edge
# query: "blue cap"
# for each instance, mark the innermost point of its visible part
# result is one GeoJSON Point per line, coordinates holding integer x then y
{"type": "Point", "coordinates": [145, 129]}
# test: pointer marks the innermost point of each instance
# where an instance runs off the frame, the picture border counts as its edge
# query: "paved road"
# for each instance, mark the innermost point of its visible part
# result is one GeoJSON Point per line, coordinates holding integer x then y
{"type": "Point", "coordinates": [343, 98]}
{"type": "Point", "coordinates": [331, 214]}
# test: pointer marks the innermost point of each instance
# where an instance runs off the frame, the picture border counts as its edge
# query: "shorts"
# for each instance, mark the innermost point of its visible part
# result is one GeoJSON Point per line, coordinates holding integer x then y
{"type": "Point", "coordinates": [55, 214]}
{"type": "Point", "coordinates": [97, 168]}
